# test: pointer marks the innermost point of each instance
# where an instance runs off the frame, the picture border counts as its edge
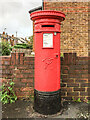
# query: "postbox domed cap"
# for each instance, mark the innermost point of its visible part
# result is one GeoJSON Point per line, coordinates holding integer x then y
{"type": "Point", "coordinates": [47, 14]}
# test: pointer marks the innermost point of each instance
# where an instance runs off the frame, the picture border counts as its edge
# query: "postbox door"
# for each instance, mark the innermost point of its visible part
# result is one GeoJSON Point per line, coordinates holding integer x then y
{"type": "Point", "coordinates": [47, 61]}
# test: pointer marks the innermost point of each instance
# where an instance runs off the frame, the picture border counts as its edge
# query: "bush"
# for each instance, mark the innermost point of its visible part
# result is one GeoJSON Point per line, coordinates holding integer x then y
{"type": "Point", "coordinates": [4, 48]}
{"type": "Point", "coordinates": [23, 46]}
{"type": "Point", "coordinates": [7, 94]}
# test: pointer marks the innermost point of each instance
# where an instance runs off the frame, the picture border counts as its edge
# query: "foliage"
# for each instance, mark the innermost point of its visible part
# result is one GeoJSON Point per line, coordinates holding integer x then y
{"type": "Point", "coordinates": [78, 100]}
{"type": "Point", "coordinates": [10, 47]}
{"type": "Point", "coordinates": [31, 41]}
{"type": "Point", "coordinates": [31, 97]}
{"type": "Point", "coordinates": [0, 50]}
{"type": "Point", "coordinates": [23, 46]}
{"type": "Point", "coordinates": [7, 94]}
{"type": "Point", "coordinates": [4, 48]}
{"type": "Point", "coordinates": [87, 101]}
{"type": "Point", "coordinates": [62, 55]}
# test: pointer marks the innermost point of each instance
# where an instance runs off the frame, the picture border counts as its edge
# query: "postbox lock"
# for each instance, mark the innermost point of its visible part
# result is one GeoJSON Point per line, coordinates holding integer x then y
{"type": "Point", "coordinates": [56, 55]}
{"type": "Point", "coordinates": [55, 33]}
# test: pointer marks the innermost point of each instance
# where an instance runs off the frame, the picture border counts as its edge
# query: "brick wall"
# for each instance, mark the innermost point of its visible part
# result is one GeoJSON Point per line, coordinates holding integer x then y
{"type": "Point", "coordinates": [20, 69]}
{"type": "Point", "coordinates": [75, 76]}
{"type": "Point", "coordinates": [74, 30]}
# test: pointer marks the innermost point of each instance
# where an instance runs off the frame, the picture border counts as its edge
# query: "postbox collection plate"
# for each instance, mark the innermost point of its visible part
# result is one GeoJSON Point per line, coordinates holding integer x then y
{"type": "Point", "coordinates": [47, 40]}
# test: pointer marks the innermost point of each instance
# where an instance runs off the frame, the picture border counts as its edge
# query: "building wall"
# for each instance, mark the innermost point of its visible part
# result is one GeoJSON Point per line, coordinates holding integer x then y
{"type": "Point", "coordinates": [74, 75]}
{"type": "Point", "coordinates": [74, 30]}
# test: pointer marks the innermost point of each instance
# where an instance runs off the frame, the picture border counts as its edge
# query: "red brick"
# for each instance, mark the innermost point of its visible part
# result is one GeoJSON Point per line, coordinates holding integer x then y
{"type": "Point", "coordinates": [63, 85]}
{"type": "Point", "coordinates": [81, 80]}
{"type": "Point", "coordinates": [7, 62]}
{"type": "Point", "coordinates": [65, 71]}
{"type": "Point", "coordinates": [17, 71]}
{"type": "Point", "coordinates": [27, 71]}
{"type": "Point", "coordinates": [4, 76]}
{"type": "Point", "coordinates": [30, 84]}
{"type": "Point", "coordinates": [75, 75]}
{"type": "Point", "coordinates": [0, 66]}
{"type": "Point", "coordinates": [24, 67]}
{"type": "Point", "coordinates": [65, 67]}
{"type": "Point", "coordinates": [28, 63]}
{"type": "Point", "coordinates": [66, 89]}
{"type": "Point", "coordinates": [63, 93]}
{"type": "Point", "coordinates": [27, 80]}
{"type": "Point", "coordinates": [7, 58]}
{"type": "Point", "coordinates": [79, 89]}
{"type": "Point", "coordinates": [16, 80]}
{"type": "Point", "coordinates": [19, 84]}
{"type": "Point", "coordinates": [26, 89]}
{"type": "Point", "coordinates": [4, 80]}
{"type": "Point", "coordinates": [27, 75]}
{"type": "Point", "coordinates": [2, 62]}
{"type": "Point", "coordinates": [67, 97]}
{"type": "Point", "coordinates": [84, 94]}
{"type": "Point", "coordinates": [64, 76]}
{"type": "Point", "coordinates": [6, 71]}
{"type": "Point", "coordinates": [13, 58]}
{"type": "Point", "coordinates": [72, 93]}
{"type": "Point", "coordinates": [29, 58]}
{"type": "Point", "coordinates": [23, 95]}
{"type": "Point", "coordinates": [22, 58]}
{"type": "Point", "coordinates": [17, 58]}
{"type": "Point", "coordinates": [84, 75]}
{"type": "Point", "coordinates": [88, 89]}
{"type": "Point", "coordinates": [19, 76]}
{"type": "Point", "coordinates": [85, 84]}
{"type": "Point", "coordinates": [81, 71]}
{"type": "Point", "coordinates": [81, 67]}
{"type": "Point", "coordinates": [68, 80]}
{"type": "Point", "coordinates": [11, 67]}
{"type": "Point", "coordinates": [72, 85]}
{"type": "Point", "coordinates": [0, 71]}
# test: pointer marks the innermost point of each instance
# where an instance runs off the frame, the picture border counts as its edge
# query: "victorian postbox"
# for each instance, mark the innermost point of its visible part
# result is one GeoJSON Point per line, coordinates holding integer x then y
{"type": "Point", "coordinates": [47, 98]}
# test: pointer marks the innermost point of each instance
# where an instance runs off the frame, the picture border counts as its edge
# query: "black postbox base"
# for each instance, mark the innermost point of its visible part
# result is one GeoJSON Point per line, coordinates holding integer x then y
{"type": "Point", "coordinates": [47, 103]}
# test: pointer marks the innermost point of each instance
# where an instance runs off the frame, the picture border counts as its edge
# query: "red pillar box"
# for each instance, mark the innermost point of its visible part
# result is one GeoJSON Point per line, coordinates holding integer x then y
{"type": "Point", "coordinates": [47, 61]}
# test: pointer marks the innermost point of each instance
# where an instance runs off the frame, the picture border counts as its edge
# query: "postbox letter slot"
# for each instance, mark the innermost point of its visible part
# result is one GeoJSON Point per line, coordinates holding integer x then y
{"type": "Point", "coordinates": [47, 25]}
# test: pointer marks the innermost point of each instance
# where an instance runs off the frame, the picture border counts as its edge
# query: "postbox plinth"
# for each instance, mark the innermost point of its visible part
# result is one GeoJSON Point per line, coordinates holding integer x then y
{"type": "Point", "coordinates": [47, 103]}
{"type": "Point", "coordinates": [47, 98]}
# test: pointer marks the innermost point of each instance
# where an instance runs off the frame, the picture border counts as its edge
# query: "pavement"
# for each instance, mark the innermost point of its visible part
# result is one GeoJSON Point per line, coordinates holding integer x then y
{"type": "Point", "coordinates": [24, 109]}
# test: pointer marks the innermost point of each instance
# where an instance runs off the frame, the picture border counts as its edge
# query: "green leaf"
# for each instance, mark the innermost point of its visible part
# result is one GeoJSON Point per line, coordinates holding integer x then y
{"type": "Point", "coordinates": [10, 88]}
{"type": "Point", "coordinates": [73, 99]}
{"type": "Point", "coordinates": [62, 55]}
{"type": "Point", "coordinates": [12, 83]}
{"type": "Point", "coordinates": [15, 98]}
{"type": "Point", "coordinates": [88, 102]}
{"type": "Point", "coordinates": [78, 100]}
{"type": "Point", "coordinates": [7, 94]}
{"type": "Point", "coordinates": [6, 101]}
